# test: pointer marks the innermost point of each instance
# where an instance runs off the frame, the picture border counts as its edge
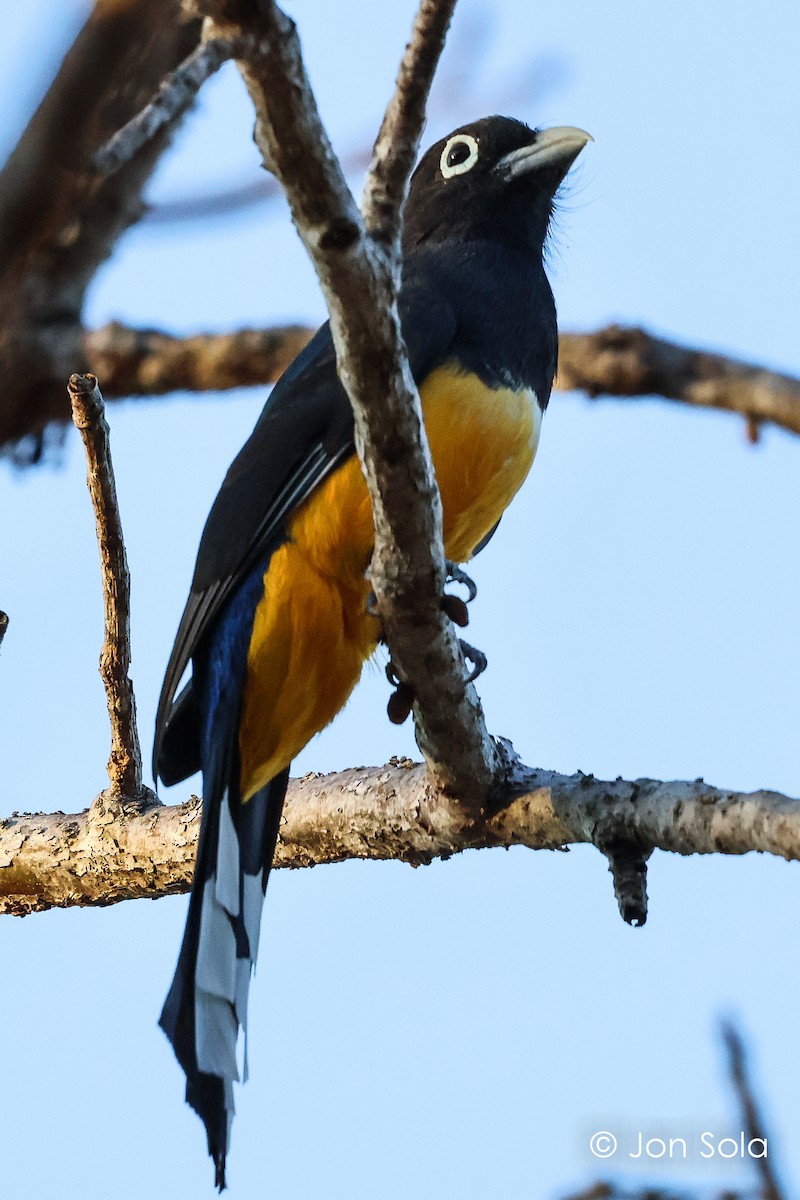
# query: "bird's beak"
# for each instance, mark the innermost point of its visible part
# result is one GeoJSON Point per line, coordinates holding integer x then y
{"type": "Point", "coordinates": [556, 148]}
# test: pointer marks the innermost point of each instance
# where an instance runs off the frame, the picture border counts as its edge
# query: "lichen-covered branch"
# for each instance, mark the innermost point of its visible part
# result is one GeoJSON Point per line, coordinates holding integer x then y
{"type": "Point", "coordinates": [125, 760]}
{"type": "Point", "coordinates": [392, 812]}
{"type": "Point", "coordinates": [359, 277]}
{"type": "Point", "coordinates": [628, 362]}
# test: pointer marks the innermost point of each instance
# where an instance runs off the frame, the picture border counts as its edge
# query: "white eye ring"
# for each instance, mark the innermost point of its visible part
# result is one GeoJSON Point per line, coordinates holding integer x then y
{"type": "Point", "coordinates": [448, 171]}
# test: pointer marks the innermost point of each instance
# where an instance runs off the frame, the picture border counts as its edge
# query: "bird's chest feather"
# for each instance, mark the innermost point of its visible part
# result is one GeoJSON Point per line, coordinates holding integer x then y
{"type": "Point", "coordinates": [483, 441]}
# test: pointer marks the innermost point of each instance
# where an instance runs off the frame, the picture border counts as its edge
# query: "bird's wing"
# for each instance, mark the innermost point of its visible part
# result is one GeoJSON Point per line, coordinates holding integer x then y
{"type": "Point", "coordinates": [304, 432]}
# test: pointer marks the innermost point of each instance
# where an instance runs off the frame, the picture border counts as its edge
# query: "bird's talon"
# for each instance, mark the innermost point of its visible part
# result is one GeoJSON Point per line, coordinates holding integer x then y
{"type": "Point", "coordinates": [478, 659]}
{"type": "Point", "coordinates": [391, 675]}
{"type": "Point", "coordinates": [372, 605]}
{"type": "Point", "coordinates": [456, 575]}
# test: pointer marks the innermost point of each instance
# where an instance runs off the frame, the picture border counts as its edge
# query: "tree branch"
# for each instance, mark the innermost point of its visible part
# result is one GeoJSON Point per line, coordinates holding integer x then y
{"type": "Point", "coordinates": [59, 219]}
{"type": "Point", "coordinates": [149, 362]}
{"type": "Point", "coordinates": [753, 1123]}
{"type": "Point", "coordinates": [629, 362]}
{"type": "Point", "coordinates": [359, 278]}
{"type": "Point", "coordinates": [174, 97]}
{"type": "Point", "coordinates": [615, 362]}
{"type": "Point", "coordinates": [397, 143]}
{"type": "Point", "coordinates": [393, 812]}
{"type": "Point", "coordinates": [125, 761]}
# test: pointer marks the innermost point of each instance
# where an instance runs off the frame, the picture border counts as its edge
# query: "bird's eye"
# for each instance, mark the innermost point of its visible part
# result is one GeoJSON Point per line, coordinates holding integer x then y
{"type": "Point", "coordinates": [459, 155]}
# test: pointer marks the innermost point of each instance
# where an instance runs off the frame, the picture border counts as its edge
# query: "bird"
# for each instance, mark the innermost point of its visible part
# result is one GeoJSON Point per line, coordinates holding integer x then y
{"type": "Point", "coordinates": [278, 624]}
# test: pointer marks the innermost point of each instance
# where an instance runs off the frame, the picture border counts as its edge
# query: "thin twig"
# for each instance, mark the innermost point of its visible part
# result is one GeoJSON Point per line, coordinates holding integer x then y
{"type": "Point", "coordinates": [174, 96]}
{"type": "Point", "coordinates": [397, 142]}
{"type": "Point", "coordinates": [752, 1118]}
{"type": "Point", "coordinates": [125, 761]}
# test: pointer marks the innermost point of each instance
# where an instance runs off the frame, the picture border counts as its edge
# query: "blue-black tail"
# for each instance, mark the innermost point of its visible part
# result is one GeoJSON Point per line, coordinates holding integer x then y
{"type": "Point", "coordinates": [207, 1002]}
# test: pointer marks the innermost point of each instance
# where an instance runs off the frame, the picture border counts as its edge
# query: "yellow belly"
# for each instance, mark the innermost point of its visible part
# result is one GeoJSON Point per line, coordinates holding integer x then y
{"type": "Point", "coordinates": [312, 634]}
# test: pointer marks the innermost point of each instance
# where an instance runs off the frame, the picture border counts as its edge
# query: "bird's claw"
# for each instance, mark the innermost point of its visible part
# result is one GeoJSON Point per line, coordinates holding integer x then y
{"type": "Point", "coordinates": [456, 575]}
{"type": "Point", "coordinates": [478, 659]}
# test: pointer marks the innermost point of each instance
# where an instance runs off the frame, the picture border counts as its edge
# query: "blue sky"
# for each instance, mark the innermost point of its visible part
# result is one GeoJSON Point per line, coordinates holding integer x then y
{"type": "Point", "coordinates": [466, 1027]}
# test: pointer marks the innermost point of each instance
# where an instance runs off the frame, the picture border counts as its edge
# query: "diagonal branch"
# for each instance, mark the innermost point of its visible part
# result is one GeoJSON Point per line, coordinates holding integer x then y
{"type": "Point", "coordinates": [752, 1119]}
{"type": "Point", "coordinates": [397, 144]}
{"type": "Point", "coordinates": [380, 813]}
{"type": "Point", "coordinates": [174, 97]}
{"type": "Point", "coordinates": [359, 278]}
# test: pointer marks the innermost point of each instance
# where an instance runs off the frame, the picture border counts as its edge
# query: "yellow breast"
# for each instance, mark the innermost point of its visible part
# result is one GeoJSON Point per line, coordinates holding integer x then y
{"type": "Point", "coordinates": [483, 441]}
{"type": "Point", "coordinates": [311, 631]}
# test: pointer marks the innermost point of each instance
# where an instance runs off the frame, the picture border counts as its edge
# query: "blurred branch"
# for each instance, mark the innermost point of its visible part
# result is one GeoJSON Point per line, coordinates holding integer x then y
{"type": "Point", "coordinates": [628, 362]}
{"type": "Point", "coordinates": [125, 761]}
{"type": "Point", "coordinates": [148, 362]}
{"type": "Point", "coordinates": [379, 813]}
{"type": "Point", "coordinates": [58, 218]}
{"type": "Point", "coordinates": [613, 363]}
{"type": "Point", "coordinates": [753, 1123]}
{"type": "Point", "coordinates": [752, 1127]}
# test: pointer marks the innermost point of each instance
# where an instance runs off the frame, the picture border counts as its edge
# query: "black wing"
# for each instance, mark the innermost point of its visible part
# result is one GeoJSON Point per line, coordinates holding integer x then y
{"type": "Point", "coordinates": [304, 432]}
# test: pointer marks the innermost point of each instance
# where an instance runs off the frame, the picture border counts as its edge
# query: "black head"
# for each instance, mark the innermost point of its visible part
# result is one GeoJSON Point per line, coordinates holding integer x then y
{"type": "Point", "coordinates": [494, 179]}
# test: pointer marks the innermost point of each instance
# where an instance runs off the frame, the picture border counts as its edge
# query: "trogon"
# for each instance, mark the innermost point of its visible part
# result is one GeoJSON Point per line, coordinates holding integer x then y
{"type": "Point", "coordinates": [277, 626]}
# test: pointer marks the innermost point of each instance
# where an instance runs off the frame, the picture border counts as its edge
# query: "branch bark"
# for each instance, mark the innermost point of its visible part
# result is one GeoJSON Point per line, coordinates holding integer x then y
{"type": "Point", "coordinates": [629, 362]}
{"type": "Point", "coordinates": [125, 760]}
{"type": "Point", "coordinates": [174, 97]}
{"type": "Point", "coordinates": [149, 362]}
{"type": "Point", "coordinates": [359, 275]}
{"type": "Point", "coordinates": [108, 854]}
{"type": "Point", "coordinates": [612, 363]}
